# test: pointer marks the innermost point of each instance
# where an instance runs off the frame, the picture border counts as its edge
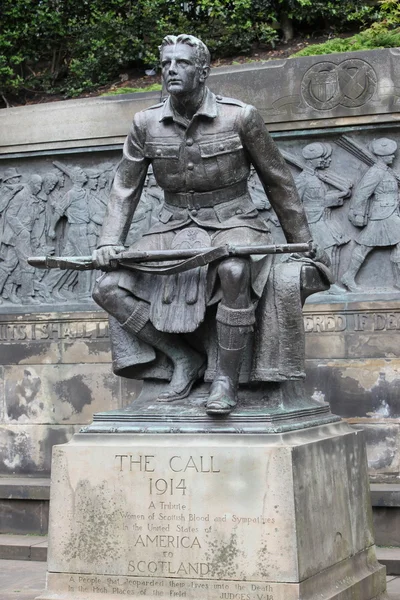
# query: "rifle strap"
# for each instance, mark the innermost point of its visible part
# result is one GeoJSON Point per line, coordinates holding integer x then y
{"type": "Point", "coordinates": [201, 260]}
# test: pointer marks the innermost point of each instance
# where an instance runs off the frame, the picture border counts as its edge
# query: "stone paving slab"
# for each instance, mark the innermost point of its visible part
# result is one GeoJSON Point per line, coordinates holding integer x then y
{"type": "Point", "coordinates": [25, 580]}
{"type": "Point", "coordinates": [23, 547]}
{"type": "Point", "coordinates": [393, 588]}
{"type": "Point", "coordinates": [22, 580]}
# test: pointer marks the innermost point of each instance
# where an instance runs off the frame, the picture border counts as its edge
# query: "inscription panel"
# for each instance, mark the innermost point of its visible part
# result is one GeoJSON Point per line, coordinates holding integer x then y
{"type": "Point", "coordinates": [176, 513]}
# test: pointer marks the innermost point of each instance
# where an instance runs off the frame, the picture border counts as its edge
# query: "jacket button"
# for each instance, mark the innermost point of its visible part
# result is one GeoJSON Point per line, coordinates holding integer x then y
{"type": "Point", "coordinates": [193, 211]}
{"type": "Point", "coordinates": [189, 142]}
{"type": "Point", "coordinates": [190, 166]}
{"type": "Point", "coordinates": [158, 152]}
{"type": "Point", "coordinates": [239, 211]}
{"type": "Point", "coordinates": [219, 97]}
{"type": "Point", "coordinates": [221, 147]}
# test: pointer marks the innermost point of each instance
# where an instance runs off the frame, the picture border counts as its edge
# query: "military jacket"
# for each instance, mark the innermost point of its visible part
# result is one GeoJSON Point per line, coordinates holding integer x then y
{"type": "Point", "coordinates": [203, 166]}
{"type": "Point", "coordinates": [376, 196]}
{"type": "Point", "coordinates": [312, 192]}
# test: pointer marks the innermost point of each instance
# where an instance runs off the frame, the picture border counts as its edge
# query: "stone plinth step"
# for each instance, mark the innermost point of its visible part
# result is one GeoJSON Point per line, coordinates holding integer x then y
{"type": "Point", "coordinates": [24, 488]}
{"type": "Point", "coordinates": [385, 499]}
{"type": "Point", "coordinates": [390, 557]}
{"type": "Point", "coordinates": [24, 505]}
{"type": "Point", "coordinates": [23, 547]}
{"type": "Point", "coordinates": [385, 494]}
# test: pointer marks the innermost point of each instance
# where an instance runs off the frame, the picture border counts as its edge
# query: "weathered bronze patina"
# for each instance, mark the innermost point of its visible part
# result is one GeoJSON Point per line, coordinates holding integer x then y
{"type": "Point", "coordinates": [202, 293]}
{"type": "Point", "coordinates": [201, 147]}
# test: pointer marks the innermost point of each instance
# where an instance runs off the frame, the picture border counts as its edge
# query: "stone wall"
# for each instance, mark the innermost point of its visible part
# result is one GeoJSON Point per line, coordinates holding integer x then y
{"type": "Point", "coordinates": [57, 161]}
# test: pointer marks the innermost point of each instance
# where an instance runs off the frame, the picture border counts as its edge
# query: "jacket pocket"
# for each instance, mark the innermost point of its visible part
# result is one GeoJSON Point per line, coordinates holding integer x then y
{"type": "Point", "coordinates": [222, 159]}
{"type": "Point", "coordinates": [165, 215]}
{"type": "Point", "coordinates": [219, 147]}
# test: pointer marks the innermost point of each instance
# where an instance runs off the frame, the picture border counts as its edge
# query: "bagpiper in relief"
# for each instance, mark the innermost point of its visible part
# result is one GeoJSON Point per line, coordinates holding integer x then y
{"type": "Point", "coordinates": [375, 208]}
{"type": "Point", "coordinates": [320, 202]}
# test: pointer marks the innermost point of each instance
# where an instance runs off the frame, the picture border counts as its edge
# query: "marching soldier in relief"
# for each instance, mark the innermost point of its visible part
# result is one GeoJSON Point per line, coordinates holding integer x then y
{"type": "Point", "coordinates": [319, 201]}
{"type": "Point", "coordinates": [375, 207]}
{"type": "Point", "coordinates": [201, 147]}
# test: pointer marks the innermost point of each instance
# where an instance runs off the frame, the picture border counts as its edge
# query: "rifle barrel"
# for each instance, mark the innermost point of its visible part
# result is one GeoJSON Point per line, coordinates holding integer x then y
{"type": "Point", "coordinates": [160, 255]}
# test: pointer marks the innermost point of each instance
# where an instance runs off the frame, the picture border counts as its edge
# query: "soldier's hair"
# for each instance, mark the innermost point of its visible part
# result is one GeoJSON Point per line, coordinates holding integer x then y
{"type": "Point", "coordinates": [202, 52]}
{"type": "Point", "coordinates": [50, 178]}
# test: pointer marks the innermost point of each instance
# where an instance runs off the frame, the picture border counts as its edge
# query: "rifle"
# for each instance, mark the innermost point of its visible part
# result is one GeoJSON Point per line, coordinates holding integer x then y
{"type": "Point", "coordinates": [189, 258]}
{"type": "Point", "coordinates": [340, 183]}
{"type": "Point", "coordinates": [362, 153]}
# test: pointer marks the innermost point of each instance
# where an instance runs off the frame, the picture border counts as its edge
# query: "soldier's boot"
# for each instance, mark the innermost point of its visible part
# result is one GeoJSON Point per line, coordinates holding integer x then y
{"type": "Point", "coordinates": [188, 364]}
{"type": "Point", "coordinates": [84, 286]}
{"type": "Point", "coordinates": [27, 290]}
{"type": "Point", "coordinates": [233, 328]}
{"type": "Point", "coordinates": [396, 274]}
{"type": "Point", "coordinates": [3, 278]}
{"type": "Point", "coordinates": [357, 259]}
{"type": "Point", "coordinates": [10, 292]}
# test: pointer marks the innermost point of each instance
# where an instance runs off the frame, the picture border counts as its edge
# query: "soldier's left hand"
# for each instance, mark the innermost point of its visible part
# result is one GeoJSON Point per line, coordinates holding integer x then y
{"type": "Point", "coordinates": [318, 254]}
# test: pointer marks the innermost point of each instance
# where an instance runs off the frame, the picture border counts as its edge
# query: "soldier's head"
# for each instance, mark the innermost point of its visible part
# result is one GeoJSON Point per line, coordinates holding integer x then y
{"type": "Point", "coordinates": [78, 176]}
{"type": "Point", "coordinates": [102, 181]}
{"type": "Point", "coordinates": [185, 63]}
{"type": "Point", "coordinates": [35, 184]}
{"type": "Point", "coordinates": [327, 157]}
{"type": "Point", "coordinates": [315, 155]}
{"type": "Point", "coordinates": [93, 178]}
{"type": "Point", "coordinates": [11, 176]}
{"type": "Point", "coordinates": [384, 149]}
{"type": "Point", "coordinates": [50, 181]}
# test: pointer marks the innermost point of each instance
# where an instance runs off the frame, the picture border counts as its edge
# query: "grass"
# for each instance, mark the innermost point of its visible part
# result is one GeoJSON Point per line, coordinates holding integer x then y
{"type": "Point", "coordinates": [154, 87]}
{"type": "Point", "coordinates": [370, 39]}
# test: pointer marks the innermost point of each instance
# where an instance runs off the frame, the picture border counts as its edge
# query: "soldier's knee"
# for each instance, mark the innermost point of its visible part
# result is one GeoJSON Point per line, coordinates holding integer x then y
{"type": "Point", "coordinates": [105, 289]}
{"type": "Point", "coordinates": [234, 272]}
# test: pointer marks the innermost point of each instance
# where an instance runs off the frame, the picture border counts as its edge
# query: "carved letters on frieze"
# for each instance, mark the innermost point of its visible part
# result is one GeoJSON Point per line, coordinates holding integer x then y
{"type": "Point", "coordinates": [60, 210]}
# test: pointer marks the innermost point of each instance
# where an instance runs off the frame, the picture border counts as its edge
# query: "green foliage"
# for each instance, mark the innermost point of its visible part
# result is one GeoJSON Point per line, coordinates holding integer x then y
{"type": "Point", "coordinates": [370, 39]}
{"type": "Point", "coordinates": [314, 12]}
{"type": "Point", "coordinates": [155, 87]}
{"type": "Point", "coordinates": [68, 47]}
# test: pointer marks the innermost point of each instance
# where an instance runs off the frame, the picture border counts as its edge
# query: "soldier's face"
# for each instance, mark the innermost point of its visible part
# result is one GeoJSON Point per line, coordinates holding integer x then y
{"type": "Point", "coordinates": [388, 159]}
{"type": "Point", "coordinates": [92, 184]}
{"type": "Point", "coordinates": [180, 70]}
{"type": "Point", "coordinates": [48, 186]}
{"type": "Point", "coordinates": [36, 185]}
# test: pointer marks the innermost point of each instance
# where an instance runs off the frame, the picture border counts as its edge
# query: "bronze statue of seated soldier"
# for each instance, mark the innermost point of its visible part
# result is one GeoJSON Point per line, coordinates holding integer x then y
{"type": "Point", "coordinates": [201, 147]}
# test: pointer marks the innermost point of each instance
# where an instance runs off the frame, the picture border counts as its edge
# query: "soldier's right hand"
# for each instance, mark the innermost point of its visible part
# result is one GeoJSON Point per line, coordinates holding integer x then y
{"type": "Point", "coordinates": [104, 258]}
{"type": "Point", "coordinates": [357, 219]}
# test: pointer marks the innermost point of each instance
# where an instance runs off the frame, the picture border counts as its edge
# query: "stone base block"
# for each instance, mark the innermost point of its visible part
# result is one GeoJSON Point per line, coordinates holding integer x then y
{"type": "Point", "coordinates": [227, 517]}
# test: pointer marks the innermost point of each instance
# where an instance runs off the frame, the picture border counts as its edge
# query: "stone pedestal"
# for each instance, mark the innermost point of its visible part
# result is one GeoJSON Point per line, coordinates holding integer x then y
{"type": "Point", "coordinates": [223, 516]}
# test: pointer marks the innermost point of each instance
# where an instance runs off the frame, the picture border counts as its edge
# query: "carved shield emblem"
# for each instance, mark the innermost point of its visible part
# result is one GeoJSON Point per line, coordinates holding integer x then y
{"type": "Point", "coordinates": [357, 82]}
{"type": "Point", "coordinates": [320, 86]}
{"type": "Point", "coordinates": [324, 85]}
{"type": "Point", "coordinates": [351, 84]}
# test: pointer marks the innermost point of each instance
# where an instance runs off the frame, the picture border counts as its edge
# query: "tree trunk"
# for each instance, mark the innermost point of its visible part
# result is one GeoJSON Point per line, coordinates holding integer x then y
{"type": "Point", "coordinates": [286, 24]}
